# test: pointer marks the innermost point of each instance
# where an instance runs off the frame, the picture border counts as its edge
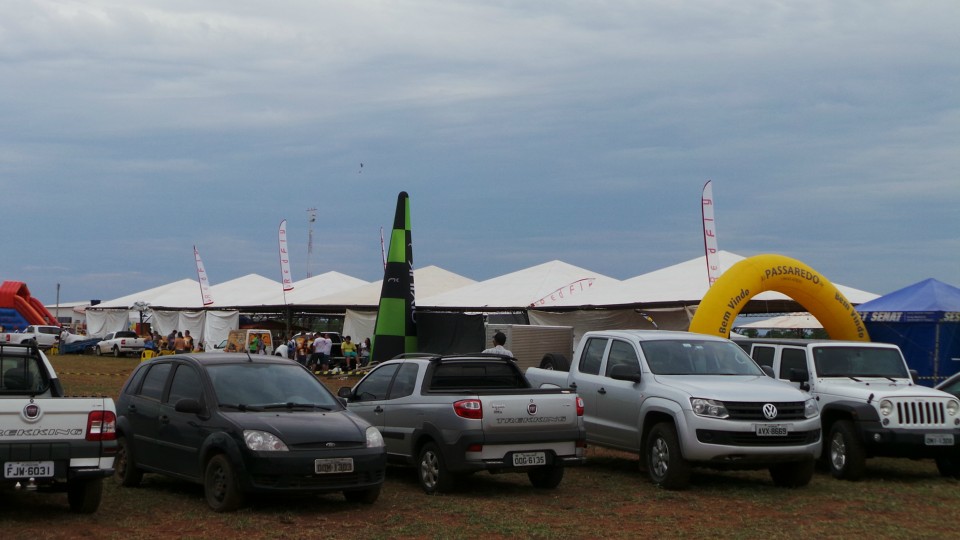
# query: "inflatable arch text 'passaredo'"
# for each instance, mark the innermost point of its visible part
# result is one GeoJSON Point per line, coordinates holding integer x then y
{"type": "Point", "coordinates": [751, 276]}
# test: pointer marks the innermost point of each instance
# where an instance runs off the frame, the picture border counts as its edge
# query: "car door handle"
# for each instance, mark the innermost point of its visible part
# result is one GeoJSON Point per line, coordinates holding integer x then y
{"type": "Point", "coordinates": [573, 385]}
{"type": "Point", "coordinates": [602, 391]}
{"type": "Point", "coordinates": [379, 409]}
{"type": "Point", "coordinates": [164, 419]}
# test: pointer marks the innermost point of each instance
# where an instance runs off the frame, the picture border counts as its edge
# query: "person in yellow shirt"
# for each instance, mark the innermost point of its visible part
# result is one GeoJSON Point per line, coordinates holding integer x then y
{"type": "Point", "coordinates": [349, 350]}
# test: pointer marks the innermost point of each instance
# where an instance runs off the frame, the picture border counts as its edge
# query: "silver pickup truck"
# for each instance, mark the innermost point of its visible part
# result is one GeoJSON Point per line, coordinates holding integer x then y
{"type": "Point", "coordinates": [454, 415]}
{"type": "Point", "coordinates": [49, 442]}
{"type": "Point", "coordinates": [678, 399]}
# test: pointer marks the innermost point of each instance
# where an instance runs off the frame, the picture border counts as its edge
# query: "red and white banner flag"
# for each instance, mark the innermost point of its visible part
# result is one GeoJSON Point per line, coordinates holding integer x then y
{"type": "Point", "coordinates": [202, 276]}
{"type": "Point", "coordinates": [285, 276]}
{"type": "Point", "coordinates": [710, 233]}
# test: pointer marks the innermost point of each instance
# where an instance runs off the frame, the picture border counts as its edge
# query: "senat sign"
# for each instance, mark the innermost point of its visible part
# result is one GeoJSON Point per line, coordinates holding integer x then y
{"type": "Point", "coordinates": [910, 316]}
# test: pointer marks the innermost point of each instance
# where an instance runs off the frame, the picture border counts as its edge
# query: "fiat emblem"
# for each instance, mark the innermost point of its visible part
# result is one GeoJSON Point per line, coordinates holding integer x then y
{"type": "Point", "coordinates": [770, 411]}
{"type": "Point", "coordinates": [532, 409]}
{"type": "Point", "coordinates": [31, 412]}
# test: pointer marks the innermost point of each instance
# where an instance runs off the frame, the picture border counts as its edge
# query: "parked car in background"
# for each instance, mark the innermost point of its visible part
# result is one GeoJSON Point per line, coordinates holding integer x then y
{"type": "Point", "coordinates": [240, 424]}
{"type": "Point", "coordinates": [119, 344]}
{"type": "Point", "coordinates": [43, 336]}
{"type": "Point", "coordinates": [250, 340]}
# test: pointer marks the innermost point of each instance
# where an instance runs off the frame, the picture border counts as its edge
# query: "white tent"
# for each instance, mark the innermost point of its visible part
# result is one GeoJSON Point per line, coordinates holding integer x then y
{"type": "Point", "coordinates": [787, 321]}
{"type": "Point", "coordinates": [306, 290]}
{"type": "Point", "coordinates": [552, 284]}
{"type": "Point", "coordinates": [248, 290]}
{"type": "Point", "coordinates": [182, 294]}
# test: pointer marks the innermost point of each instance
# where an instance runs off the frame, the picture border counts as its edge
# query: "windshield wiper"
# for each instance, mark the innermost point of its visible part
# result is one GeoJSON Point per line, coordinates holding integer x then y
{"type": "Point", "coordinates": [292, 405]}
{"type": "Point", "coordinates": [242, 406]}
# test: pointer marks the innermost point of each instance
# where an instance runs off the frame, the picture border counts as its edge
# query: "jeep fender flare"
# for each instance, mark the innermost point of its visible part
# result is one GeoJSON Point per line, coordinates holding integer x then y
{"type": "Point", "coordinates": [730, 293]}
{"type": "Point", "coordinates": [852, 410]}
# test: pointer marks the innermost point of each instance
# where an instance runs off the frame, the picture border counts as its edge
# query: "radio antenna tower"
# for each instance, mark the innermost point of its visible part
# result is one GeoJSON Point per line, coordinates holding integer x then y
{"type": "Point", "coordinates": [312, 215]}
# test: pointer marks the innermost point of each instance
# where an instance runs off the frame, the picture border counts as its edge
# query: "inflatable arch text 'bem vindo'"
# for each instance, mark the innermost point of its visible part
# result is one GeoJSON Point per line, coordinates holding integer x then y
{"type": "Point", "coordinates": [749, 277]}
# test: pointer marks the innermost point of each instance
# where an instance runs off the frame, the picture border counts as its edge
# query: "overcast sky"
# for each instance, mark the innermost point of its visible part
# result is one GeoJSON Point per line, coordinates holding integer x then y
{"type": "Point", "coordinates": [523, 131]}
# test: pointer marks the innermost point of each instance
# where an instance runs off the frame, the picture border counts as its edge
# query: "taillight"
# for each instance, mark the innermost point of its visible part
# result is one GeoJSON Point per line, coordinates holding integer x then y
{"type": "Point", "coordinates": [469, 408]}
{"type": "Point", "coordinates": [579, 406]}
{"type": "Point", "coordinates": [101, 426]}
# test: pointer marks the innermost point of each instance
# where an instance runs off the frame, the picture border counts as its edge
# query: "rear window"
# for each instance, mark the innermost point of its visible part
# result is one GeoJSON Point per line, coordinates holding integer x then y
{"type": "Point", "coordinates": [475, 376]}
{"type": "Point", "coordinates": [22, 374]}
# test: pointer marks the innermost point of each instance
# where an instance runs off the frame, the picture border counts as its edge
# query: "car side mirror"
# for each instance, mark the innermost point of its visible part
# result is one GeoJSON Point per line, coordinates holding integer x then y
{"type": "Point", "coordinates": [623, 372]}
{"type": "Point", "coordinates": [798, 375]}
{"type": "Point", "coordinates": [769, 371]}
{"type": "Point", "coordinates": [188, 405]}
{"type": "Point", "coordinates": [914, 375]}
{"type": "Point", "coordinates": [345, 392]}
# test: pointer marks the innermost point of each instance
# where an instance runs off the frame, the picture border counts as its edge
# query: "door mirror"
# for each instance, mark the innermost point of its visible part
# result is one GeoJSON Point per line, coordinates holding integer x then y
{"type": "Point", "coordinates": [914, 375]}
{"type": "Point", "coordinates": [769, 371]}
{"type": "Point", "coordinates": [345, 392]}
{"type": "Point", "coordinates": [624, 372]}
{"type": "Point", "coordinates": [188, 405]}
{"type": "Point", "coordinates": [798, 375]}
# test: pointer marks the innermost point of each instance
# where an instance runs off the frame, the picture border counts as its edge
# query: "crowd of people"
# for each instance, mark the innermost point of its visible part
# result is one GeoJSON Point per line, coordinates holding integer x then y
{"type": "Point", "coordinates": [176, 341]}
{"type": "Point", "coordinates": [314, 350]}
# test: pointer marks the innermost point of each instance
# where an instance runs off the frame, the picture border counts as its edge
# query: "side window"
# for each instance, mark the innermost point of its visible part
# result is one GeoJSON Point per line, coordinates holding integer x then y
{"type": "Point", "coordinates": [405, 382]}
{"type": "Point", "coordinates": [593, 356]}
{"type": "Point", "coordinates": [185, 385]}
{"type": "Point", "coordinates": [375, 386]}
{"type": "Point", "coordinates": [792, 359]}
{"type": "Point", "coordinates": [622, 353]}
{"type": "Point", "coordinates": [763, 355]}
{"type": "Point", "coordinates": [155, 380]}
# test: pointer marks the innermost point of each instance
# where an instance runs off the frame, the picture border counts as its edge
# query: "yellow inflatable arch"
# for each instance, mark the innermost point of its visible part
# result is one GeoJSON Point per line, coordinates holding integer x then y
{"type": "Point", "coordinates": [751, 276]}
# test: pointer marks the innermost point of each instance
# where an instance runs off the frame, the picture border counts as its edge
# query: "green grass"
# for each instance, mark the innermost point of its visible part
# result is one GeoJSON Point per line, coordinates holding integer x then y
{"type": "Point", "coordinates": [609, 497]}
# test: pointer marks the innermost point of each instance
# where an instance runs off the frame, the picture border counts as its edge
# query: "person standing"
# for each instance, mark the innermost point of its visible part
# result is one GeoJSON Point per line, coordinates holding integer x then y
{"type": "Point", "coordinates": [179, 345]}
{"type": "Point", "coordinates": [499, 340]}
{"type": "Point", "coordinates": [187, 341]}
{"type": "Point", "coordinates": [302, 345]}
{"type": "Point", "coordinates": [365, 351]}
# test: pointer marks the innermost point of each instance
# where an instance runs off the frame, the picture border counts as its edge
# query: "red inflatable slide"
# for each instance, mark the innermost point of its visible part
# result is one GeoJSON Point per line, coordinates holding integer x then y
{"type": "Point", "coordinates": [15, 296]}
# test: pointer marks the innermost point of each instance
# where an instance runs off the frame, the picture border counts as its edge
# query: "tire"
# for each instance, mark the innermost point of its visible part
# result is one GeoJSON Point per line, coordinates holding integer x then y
{"type": "Point", "coordinates": [97, 351]}
{"type": "Point", "coordinates": [84, 496]}
{"type": "Point", "coordinates": [665, 463]}
{"type": "Point", "coordinates": [948, 467]}
{"type": "Point", "coordinates": [365, 496]}
{"type": "Point", "coordinates": [116, 352]}
{"type": "Point", "coordinates": [432, 471]}
{"type": "Point", "coordinates": [792, 475]}
{"type": "Point", "coordinates": [126, 472]}
{"type": "Point", "coordinates": [221, 486]}
{"type": "Point", "coordinates": [555, 361]}
{"type": "Point", "coordinates": [548, 477]}
{"type": "Point", "coordinates": [845, 452]}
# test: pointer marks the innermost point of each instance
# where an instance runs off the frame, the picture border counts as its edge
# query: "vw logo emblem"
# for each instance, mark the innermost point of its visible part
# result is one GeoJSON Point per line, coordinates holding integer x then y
{"type": "Point", "coordinates": [770, 411]}
{"type": "Point", "coordinates": [532, 409]}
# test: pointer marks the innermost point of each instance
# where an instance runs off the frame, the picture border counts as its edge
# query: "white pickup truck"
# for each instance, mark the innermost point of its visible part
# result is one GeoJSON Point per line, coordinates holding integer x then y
{"type": "Point", "coordinates": [119, 344]}
{"type": "Point", "coordinates": [43, 336]}
{"type": "Point", "coordinates": [49, 442]}
{"type": "Point", "coordinates": [679, 399]}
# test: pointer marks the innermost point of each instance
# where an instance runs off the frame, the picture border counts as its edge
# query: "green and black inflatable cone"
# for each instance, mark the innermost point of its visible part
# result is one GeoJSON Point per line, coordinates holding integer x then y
{"type": "Point", "coordinates": [395, 331]}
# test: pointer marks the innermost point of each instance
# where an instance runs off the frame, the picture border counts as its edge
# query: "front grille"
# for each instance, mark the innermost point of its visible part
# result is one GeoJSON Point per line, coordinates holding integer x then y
{"type": "Point", "coordinates": [747, 438]}
{"type": "Point", "coordinates": [921, 413]}
{"type": "Point", "coordinates": [749, 410]}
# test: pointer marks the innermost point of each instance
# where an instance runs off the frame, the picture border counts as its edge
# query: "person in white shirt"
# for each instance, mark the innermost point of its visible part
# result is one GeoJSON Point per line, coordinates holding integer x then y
{"type": "Point", "coordinates": [499, 339]}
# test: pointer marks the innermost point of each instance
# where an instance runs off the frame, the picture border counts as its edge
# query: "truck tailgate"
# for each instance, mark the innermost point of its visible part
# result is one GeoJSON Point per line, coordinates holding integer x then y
{"type": "Point", "coordinates": [529, 413]}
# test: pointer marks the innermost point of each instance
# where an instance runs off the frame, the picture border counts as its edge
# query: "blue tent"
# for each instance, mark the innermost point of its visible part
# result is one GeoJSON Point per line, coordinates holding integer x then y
{"type": "Point", "coordinates": [923, 319]}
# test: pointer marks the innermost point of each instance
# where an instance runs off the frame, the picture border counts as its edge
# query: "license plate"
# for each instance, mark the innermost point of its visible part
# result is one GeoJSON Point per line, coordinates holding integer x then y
{"type": "Point", "coordinates": [771, 430]}
{"type": "Point", "coordinates": [937, 439]}
{"type": "Point", "coordinates": [28, 469]}
{"type": "Point", "coordinates": [527, 459]}
{"type": "Point", "coordinates": [333, 466]}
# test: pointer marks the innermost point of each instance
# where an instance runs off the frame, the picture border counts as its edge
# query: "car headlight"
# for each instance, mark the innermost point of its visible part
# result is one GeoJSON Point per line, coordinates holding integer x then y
{"type": "Point", "coordinates": [886, 407]}
{"type": "Point", "coordinates": [374, 438]}
{"type": "Point", "coordinates": [953, 407]}
{"type": "Point", "coordinates": [810, 408]}
{"type": "Point", "coordinates": [262, 441]}
{"type": "Point", "coordinates": [709, 407]}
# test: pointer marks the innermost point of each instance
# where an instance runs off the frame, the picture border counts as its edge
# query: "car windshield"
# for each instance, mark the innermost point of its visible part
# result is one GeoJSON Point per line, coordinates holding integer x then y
{"type": "Point", "coordinates": [253, 385]}
{"type": "Point", "coordinates": [697, 357]}
{"type": "Point", "coordinates": [860, 361]}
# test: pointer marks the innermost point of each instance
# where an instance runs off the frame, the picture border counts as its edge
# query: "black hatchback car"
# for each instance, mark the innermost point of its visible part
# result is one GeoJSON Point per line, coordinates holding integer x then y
{"type": "Point", "coordinates": [240, 423]}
